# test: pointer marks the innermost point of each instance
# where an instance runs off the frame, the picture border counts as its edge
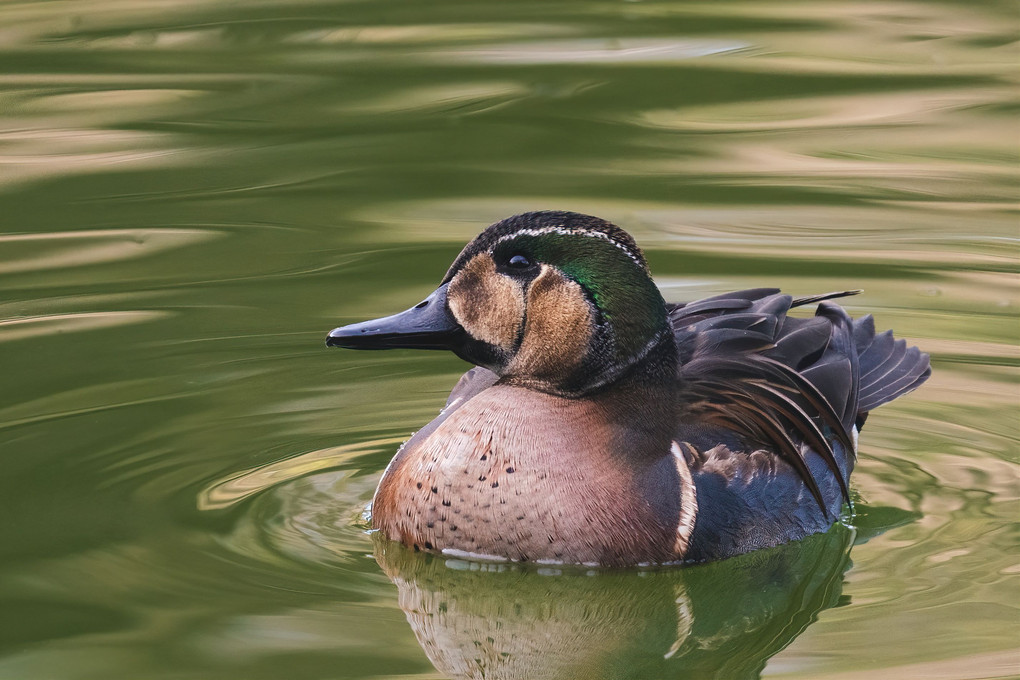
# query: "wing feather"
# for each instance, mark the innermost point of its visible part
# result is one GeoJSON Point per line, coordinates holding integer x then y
{"type": "Point", "coordinates": [793, 385]}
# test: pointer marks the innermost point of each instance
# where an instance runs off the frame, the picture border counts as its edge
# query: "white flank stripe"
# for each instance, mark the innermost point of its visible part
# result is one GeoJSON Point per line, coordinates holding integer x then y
{"type": "Point", "coordinates": [688, 504]}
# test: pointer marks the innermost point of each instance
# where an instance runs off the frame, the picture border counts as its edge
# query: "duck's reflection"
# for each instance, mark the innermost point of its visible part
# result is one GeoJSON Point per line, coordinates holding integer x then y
{"type": "Point", "coordinates": [719, 620]}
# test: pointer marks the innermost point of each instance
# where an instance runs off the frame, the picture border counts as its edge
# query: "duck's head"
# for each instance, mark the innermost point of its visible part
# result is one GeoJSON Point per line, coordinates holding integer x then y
{"type": "Point", "coordinates": [555, 301]}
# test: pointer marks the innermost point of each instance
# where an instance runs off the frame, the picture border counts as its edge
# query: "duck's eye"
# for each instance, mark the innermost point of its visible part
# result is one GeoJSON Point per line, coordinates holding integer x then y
{"type": "Point", "coordinates": [519, 262]}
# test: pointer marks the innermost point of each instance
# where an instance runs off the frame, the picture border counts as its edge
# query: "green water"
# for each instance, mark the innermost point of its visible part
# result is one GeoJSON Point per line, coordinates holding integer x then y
{"type": "Point", "coordinates": [192, 193]}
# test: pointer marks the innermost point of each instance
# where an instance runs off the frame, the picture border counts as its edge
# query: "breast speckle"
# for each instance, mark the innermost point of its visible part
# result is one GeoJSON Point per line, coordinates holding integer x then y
{"type": "Point", "coordinates": [503, 495]}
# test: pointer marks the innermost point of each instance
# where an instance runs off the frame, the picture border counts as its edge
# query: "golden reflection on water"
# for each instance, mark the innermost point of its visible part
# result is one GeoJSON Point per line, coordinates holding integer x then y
{"type": "Point", "coordinates": [615, 51]}
{"type": "Point", "coordinates": [37, 326]}
{"type": "Point", "coordinates": [432, 33]}
{"type": "Point", "coordinates": [474, 98]}
{"type": "Point", "coordinates": [55, 250]}
{"type": "Point", "coordinates": [226, 493]}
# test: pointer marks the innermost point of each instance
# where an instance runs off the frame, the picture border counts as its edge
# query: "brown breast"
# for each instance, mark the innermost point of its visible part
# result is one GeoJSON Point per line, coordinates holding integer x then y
{"type": "Point", "coordinates": [523, 475]}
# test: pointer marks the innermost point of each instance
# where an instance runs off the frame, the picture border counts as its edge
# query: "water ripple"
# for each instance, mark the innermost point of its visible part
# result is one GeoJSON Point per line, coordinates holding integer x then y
{"type": "Point", "coordinates": [58, 250]}
{"type": "Point", "coordinates": [225, 493]}
{"type": "Point", "coordinates": [592, 51]}
{"type": "Point", "coordinates": [51, 324]}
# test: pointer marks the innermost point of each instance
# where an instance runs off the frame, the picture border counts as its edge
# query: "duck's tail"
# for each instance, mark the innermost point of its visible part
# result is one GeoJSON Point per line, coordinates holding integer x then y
{"type": "Point", "coordinates": [888, 367]}
{"type": "Point", "coordinates": [860, 370]}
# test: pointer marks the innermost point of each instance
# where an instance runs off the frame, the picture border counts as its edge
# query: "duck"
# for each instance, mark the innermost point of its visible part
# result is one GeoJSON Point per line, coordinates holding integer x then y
{"type": "Point", "coordinates": [603, 426]}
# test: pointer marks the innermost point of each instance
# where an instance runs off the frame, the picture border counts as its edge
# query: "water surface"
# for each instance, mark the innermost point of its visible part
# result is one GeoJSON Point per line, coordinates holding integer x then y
{"type": "Point", "coordinates": [192, 193]}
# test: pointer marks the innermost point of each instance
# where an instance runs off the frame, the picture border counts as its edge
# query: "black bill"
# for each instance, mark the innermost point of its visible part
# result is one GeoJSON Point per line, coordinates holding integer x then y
{"type": "Point", "coordinates": [427, 325]}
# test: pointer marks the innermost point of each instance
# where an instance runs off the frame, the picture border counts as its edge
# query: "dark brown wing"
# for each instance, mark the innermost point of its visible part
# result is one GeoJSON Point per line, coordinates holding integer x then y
{"type": "Point", "coordinates": [786, 382]}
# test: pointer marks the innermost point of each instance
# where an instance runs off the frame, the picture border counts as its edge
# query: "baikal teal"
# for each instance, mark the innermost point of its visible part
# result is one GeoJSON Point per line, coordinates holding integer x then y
{"type": "Point", "coordinates": [585, 437]}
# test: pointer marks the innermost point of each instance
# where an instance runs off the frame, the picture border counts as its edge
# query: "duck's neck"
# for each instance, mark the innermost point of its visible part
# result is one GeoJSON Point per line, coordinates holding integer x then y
{"type": "Point", "coordinates": [654, 367]}
{"type": "Point", "coordinates": [654, 364]}
{"type": "Point", "coordinates": [636, 400]}
{"type": "Point", "coordinates": [641, 402]}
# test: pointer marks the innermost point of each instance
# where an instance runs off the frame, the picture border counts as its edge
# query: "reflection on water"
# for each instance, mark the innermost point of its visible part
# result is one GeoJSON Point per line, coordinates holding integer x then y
{"type": "Point", "coordinates": [226, 493]}
{"type": "Point", "coordinates": [507, 622]}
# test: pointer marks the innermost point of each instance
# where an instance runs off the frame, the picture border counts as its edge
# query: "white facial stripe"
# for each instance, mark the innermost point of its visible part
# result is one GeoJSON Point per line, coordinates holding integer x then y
{"type": "Point", "coordinates": [572, 232]}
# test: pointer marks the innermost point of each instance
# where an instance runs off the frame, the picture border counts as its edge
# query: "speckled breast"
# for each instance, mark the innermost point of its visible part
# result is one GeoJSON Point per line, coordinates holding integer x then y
{"type": "Point", "coordinates": [519, 475]}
